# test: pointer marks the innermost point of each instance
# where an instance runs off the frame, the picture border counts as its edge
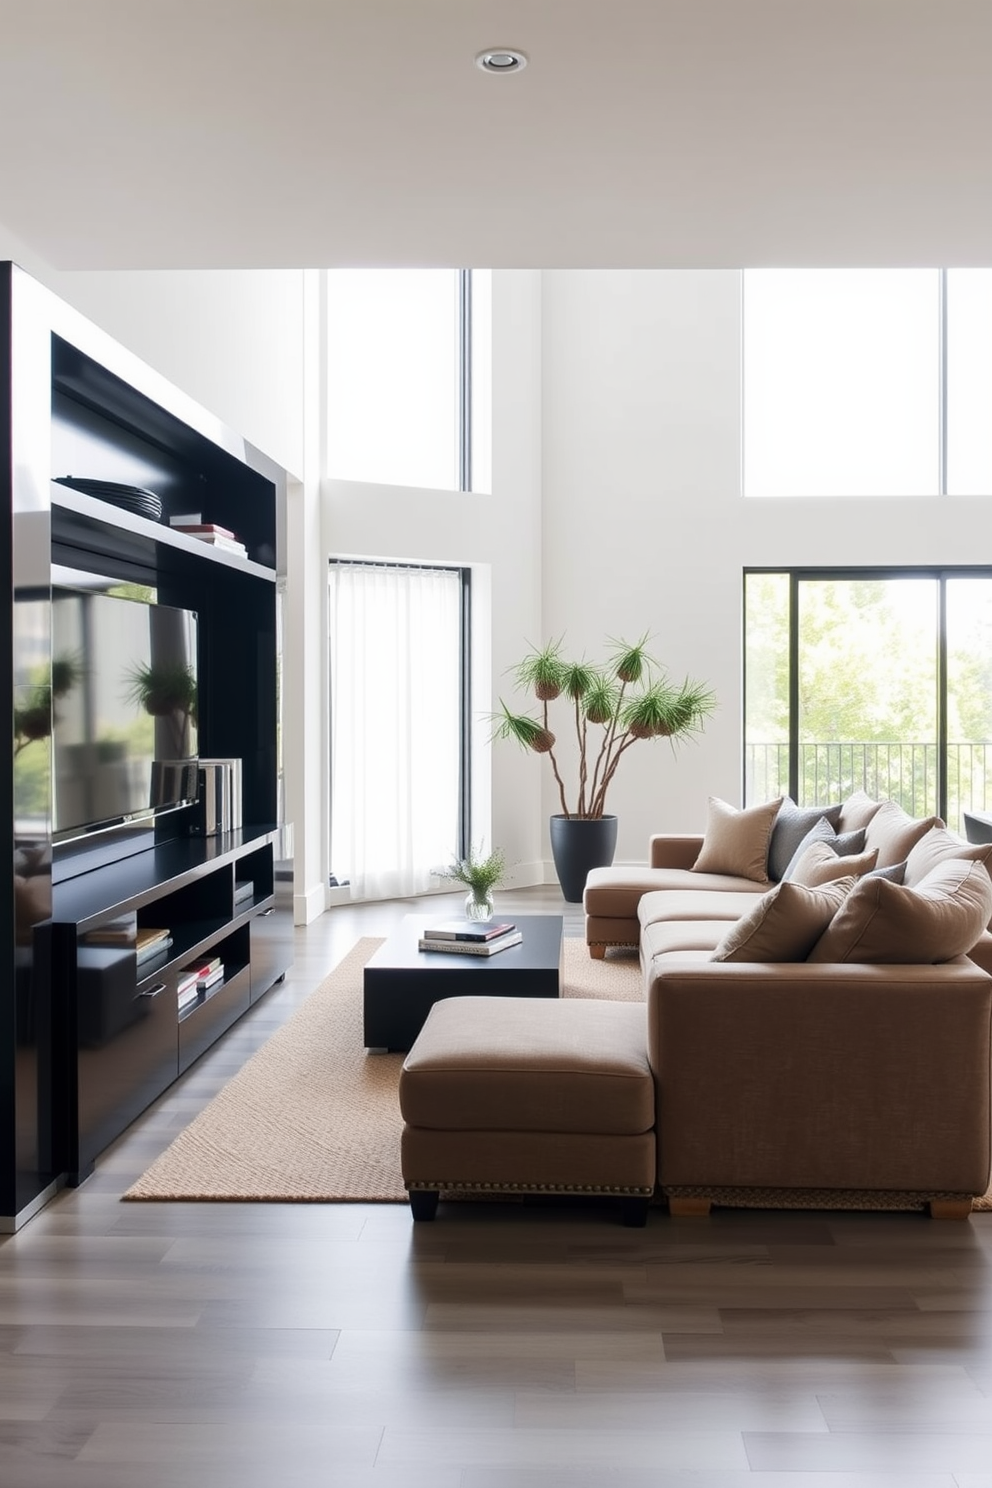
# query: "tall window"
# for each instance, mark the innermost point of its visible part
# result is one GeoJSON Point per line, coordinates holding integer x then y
{"type": "Point", "coordinates": [408, 377]}
{"type": "Point", "coordinates": [872, 680]}
{"type": "Point", "coordinates": [872, 382]}
{"type": "Point", "coordinates": [398, 685]}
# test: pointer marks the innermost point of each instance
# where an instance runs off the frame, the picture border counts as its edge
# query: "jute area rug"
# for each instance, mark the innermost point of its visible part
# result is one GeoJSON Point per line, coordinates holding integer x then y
{"type": "Point", "coordinates": [312, 1117]}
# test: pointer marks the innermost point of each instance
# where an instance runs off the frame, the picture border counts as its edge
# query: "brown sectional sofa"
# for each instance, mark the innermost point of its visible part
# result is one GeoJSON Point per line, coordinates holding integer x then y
{"type": "Point", "coordinates": [806, 1082]}
{"type": "Point", "coordinates": [824, 1041]}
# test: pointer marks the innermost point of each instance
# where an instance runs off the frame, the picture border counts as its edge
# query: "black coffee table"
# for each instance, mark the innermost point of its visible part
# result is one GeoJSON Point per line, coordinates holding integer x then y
{"type": "Point", "coordinates": [402, 984]}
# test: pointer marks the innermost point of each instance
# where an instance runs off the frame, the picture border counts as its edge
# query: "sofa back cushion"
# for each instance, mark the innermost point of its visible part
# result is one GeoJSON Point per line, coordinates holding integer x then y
{"type": "Point", "coordinates": [887, 923]}
{"type": "Point", "coordinates": [736, 842]}
{"type": "Point", "coordinates": [894, 832]}
{"type": "Point", "coordinates": [791, 826]}
{"type": "Point", "coordinates": [936, 846]}
{"type": "Point", "coordinates": [785, 923]}
{"type": "Point", "coordinates": [821, 863]}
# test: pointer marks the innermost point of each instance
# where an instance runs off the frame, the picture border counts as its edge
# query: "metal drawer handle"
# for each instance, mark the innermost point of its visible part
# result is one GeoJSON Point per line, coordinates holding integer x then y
{"type": "Point", "coordinates": [153, 991]}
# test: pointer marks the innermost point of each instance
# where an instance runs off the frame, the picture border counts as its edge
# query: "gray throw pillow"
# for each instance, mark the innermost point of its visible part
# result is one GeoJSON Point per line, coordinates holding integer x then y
{"type": "Point", "coordinates": [791, 827]}
{"type": "Point", "coordinates": [895, 874]}
{"type": "Point", "coordinates": [844, 844]}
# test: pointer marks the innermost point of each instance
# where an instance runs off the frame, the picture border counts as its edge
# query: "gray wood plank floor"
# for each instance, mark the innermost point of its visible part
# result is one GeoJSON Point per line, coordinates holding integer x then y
{"type": "Point", "coordinates": [505, 1346]}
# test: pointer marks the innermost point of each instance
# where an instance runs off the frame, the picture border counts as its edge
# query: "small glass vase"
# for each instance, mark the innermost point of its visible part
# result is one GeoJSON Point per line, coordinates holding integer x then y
{"type": "Point", "coordinates": [479, 908]}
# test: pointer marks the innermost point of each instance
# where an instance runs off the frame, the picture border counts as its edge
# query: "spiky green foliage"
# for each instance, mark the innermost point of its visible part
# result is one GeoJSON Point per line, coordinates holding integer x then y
{"type": "Point", "coordinates": [481, 873]}
{"type": "Point", "coordinates": [613, 707]}
{"type": "Point", "coordinates": [631, 663]}
{"type": "Point", "coordinates": [542, 672]}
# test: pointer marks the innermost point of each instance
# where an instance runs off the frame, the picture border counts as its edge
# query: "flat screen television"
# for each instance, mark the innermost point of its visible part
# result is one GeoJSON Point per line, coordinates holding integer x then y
{"type": "Point", "coordinates": [124, 711]}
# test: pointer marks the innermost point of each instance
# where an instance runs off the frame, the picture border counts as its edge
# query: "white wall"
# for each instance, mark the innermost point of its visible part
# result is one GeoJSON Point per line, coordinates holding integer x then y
{"type": "Point", "coordinates": [645, 529]}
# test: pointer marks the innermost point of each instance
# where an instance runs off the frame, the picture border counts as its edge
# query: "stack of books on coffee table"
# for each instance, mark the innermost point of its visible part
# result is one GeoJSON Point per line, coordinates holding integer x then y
{"type": "Point", "coordinates": [470, 937]}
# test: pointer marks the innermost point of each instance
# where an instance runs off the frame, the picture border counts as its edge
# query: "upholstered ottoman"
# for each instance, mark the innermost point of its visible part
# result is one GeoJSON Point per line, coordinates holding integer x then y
{"type": "Point", "coordinates": [529, 1096]}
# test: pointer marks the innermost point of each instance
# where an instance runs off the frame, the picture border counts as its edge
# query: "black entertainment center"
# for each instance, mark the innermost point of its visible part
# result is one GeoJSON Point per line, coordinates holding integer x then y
{"type": "Point", "coordinates": [135, 649]}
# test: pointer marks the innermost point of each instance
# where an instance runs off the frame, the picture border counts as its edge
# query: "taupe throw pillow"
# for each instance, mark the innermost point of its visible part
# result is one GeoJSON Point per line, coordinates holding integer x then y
{"type": "Point", "coordinates": [784, 924]}
{"type": "Point", "coordinates": [936, 846]}
{"type": "Point", "coordinates": [886, 923]}
{"type": "Point", "coordinates": [894, 832]}
{"type": "Point", "coordinates": [791, 826]}
{"type": "Point", "coordinates": [736, 842]}
{"type": "Point", "coordinates": [857, 811]}
{"type": "Point", "coordinates": [820, 864]}
{"type": "Point", "coordinates": [843, 844]}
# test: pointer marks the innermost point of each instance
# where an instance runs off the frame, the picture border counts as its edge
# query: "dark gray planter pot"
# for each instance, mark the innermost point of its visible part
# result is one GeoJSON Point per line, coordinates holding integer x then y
{"type": "Point", "coordinates": [578, 844]}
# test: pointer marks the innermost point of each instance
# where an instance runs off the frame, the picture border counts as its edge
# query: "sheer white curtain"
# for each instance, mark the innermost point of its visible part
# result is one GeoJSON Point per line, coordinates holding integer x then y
{"type": "Point", "coordinates": [395, 662]}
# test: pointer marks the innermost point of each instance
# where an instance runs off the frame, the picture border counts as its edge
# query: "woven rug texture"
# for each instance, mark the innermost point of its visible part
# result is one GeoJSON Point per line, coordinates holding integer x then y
{"type": "Point", "coordinates": [311, 1116]}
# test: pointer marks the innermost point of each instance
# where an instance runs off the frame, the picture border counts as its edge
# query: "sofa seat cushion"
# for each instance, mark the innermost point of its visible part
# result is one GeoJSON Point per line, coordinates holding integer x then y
{"type": "Point", "coordinates": [886, 923]}
{"type": "Point", "coordinates": [702, 936]}
{"type": "Point", "coordinates": [614, 893]}
{"type": "Point", "coordinates": [530, 1064]}
{"type": "Point", "coordinates": [695, 904]}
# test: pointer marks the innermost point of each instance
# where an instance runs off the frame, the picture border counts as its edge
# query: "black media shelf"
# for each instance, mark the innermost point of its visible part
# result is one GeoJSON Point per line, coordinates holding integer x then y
{"type": "Point", "coordinates": [90, 1036]}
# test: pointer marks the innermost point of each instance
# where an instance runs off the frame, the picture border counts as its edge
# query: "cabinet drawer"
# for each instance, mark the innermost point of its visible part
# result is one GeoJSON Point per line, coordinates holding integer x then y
{"type": "Point", "coordinates": [127, 1053]}
{"type": "Point", "coordinates": [206, 1021]}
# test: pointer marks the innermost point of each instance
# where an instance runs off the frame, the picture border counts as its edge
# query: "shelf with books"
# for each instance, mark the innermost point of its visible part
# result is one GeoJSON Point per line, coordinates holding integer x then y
{"type": "Point", "coordinates": [85, 521]}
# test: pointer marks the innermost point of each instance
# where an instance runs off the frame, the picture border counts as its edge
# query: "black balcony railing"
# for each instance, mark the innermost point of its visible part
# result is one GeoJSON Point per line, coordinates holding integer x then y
{"type": "Point", "coordinates": [903, 772]}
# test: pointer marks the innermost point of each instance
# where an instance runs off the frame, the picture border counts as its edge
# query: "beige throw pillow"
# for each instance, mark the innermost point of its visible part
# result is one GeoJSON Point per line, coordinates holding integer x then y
{"type": "Point", "coordinates": [936, 846]}
{"type": "Point", "coordinates": [819, 864]}
{"type": "Point", "coordinates": [785, 923]}
{"type": "Point", "coordinates": [886, 923]}
{"type": "Point", "coordinates": [894, 832]}
{"type": "Point", "coordinates": [736, 842]}
{"type": "Point", "coordinates": [857, 811]}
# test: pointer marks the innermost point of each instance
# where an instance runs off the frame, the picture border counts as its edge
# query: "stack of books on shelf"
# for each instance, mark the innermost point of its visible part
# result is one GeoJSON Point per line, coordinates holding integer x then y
{"type": "Point", "coordinates": [470, 938]}
{"type": "Point", "coordinates": [151, 945]}
{"type": "Point", "coordinates": [244, 893]}
{"type": "Point", "coordinates": [197, 979]}
{"type": "Point", "coordinates": [148, 943]}
{"type": "Point", "coordinates": [119, 932]}
{"type": "Point", "coordinates": [193, 525]}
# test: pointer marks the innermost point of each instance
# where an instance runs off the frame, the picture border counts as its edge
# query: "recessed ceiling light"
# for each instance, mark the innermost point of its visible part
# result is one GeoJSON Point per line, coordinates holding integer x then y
{"type": "Point", "coordinates": [501, 59]}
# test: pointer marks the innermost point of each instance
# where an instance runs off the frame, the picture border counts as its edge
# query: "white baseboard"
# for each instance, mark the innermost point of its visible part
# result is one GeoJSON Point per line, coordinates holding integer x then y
{"type": "Point", "coordinates": [307, 906]}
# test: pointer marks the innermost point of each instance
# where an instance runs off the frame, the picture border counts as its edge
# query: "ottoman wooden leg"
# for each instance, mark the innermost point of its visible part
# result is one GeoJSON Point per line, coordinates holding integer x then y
{"type": "Point", "coordinates": [598, 952]}
{"type": "Point", "coordinates": [423, 1203]}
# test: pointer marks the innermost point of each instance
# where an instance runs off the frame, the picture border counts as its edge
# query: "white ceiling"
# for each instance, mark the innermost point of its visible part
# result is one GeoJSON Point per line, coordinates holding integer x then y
{"type": "Point", "coordinates": [672, 133]}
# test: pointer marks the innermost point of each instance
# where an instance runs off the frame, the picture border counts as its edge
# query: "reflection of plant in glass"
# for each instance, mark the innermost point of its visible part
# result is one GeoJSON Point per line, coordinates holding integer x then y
{"type": "Point", "coordinates": [34, 720]}
{"type": "Point", "coordinates": [160, 690]}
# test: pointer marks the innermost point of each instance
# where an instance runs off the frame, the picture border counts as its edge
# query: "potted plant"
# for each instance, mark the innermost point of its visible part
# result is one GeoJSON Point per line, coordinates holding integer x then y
{"type": "Point", "coordinates": [613, 706]}
{"type": "Point", "coordinates": [481, 875]}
